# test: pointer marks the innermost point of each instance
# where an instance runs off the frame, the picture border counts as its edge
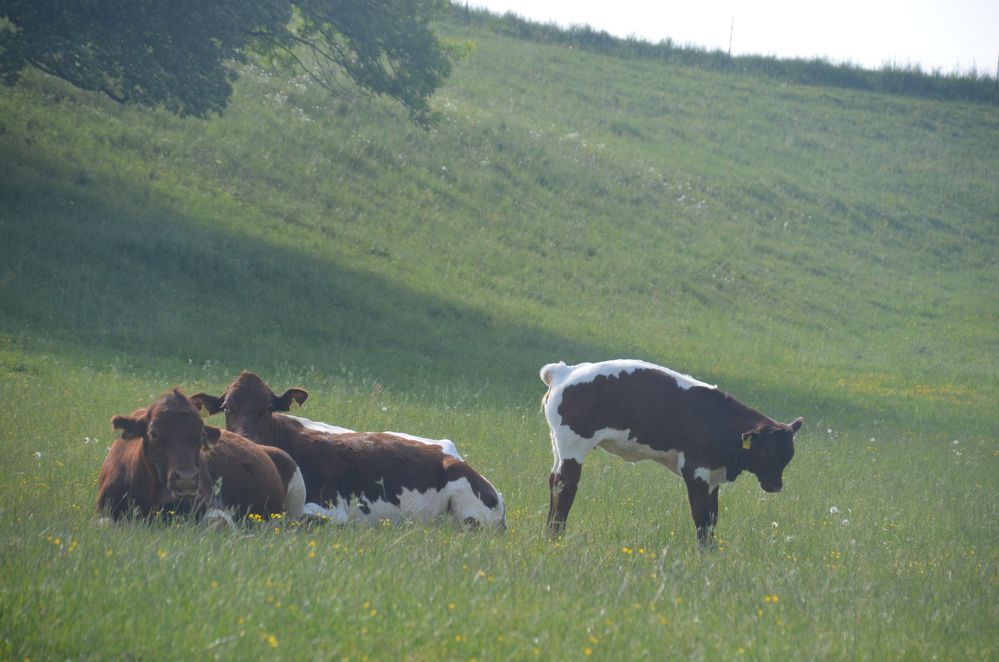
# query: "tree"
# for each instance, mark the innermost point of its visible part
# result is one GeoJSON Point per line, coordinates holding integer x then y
{"type": "Point", "coordinates": [185, 54]}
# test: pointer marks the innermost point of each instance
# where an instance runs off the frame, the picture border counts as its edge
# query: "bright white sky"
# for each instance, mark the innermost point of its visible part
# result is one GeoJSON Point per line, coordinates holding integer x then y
{"type": "Point", "coordinates": [949, 35]}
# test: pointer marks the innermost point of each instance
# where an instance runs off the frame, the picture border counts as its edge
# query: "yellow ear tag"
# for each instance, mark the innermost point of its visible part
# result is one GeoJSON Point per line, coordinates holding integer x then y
{"type": "Point", "coordinates": [747, 442]}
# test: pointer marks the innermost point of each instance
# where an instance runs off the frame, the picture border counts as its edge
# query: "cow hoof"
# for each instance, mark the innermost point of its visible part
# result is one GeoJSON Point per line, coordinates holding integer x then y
{"type": "Point", "coordinates": [707, 546]}
{"type": "Point", "coordinates": [555, 531]}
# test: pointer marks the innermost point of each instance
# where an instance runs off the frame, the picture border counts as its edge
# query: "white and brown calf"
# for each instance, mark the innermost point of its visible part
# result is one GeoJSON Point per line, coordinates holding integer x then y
{"type": "Point", "coordinates": [360, 476]}
{"type": "Point", "coordinates": [641, 411]}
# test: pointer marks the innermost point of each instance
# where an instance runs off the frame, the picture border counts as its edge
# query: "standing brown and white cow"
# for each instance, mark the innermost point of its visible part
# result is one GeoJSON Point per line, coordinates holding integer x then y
{"type": "Point", "coordinates": [167, 459]}
{"type": "Point", "coordinates": [360, 476]}
{"type": "Point", "coordinates": [641, 411]}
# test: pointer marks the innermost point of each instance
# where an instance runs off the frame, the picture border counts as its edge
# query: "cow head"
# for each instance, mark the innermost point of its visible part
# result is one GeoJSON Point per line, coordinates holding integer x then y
{"type": "Point", "coordinates": [248, 404]}
{"type": "Point", "coordinates": [767, 449]}
{"type": "Point", "coordinates": [173, 436]}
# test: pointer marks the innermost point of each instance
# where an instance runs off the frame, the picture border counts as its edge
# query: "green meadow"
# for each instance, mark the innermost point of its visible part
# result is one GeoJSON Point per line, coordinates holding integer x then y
{"type": "Point", "coordinates": [815, 251]}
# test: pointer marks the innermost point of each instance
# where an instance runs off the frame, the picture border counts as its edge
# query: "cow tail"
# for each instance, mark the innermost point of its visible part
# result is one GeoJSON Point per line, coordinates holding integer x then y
{"type": "Point", "coordinates": [548, 375]}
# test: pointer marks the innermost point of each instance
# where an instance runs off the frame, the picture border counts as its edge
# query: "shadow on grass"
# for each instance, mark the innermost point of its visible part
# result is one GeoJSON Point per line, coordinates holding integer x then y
{"type": "Point", "coordinates": [114, 270]}
{"type": "Point", "coordinates": [104, 267]}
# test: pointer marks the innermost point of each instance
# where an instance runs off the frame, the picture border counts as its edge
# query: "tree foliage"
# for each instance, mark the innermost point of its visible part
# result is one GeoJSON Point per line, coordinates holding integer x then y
{"type": "Point", "coordinates": [184, 54]}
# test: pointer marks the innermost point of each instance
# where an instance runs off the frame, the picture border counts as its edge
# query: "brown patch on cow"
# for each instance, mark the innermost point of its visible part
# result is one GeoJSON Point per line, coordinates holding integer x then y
{"type": "Point", "coordinates": [644, 401]}
{"type": "Point", "coordinates": [285, 465]}
{"type": "Point", "coordinates": [251, 483]}
{"type": "Point", "coordinates": [168, 460]}
{"type": "Point", "coordinates": [375, 466]}
{"type": "Point", "coordinates": [698, 421]}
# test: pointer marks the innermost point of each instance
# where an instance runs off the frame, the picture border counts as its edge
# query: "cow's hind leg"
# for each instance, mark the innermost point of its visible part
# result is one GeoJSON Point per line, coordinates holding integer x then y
{"type": "Point", "coordinates": [713, 509]}
{"type": "Point", "coordinates": [562, 492]}
{"type": "Point", "coordinates": [552, 480]}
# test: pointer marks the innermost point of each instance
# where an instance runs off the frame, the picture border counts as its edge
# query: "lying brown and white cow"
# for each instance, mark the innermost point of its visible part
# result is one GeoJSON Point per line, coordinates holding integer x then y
{"type": "Point", "coordinates": [641, 411]}
{"type": "Point", "coordinates": [167, 459]}
{"type": "Point", "coordinates": [362, 476]}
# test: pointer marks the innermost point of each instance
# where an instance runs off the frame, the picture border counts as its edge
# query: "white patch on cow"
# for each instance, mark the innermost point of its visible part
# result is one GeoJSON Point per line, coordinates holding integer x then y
{"type": "Point", "coordinates": [554, 373]}
{"type": "Point", "coordinates": [445, 445]}
{"type": "Point", "coordinates": [318, 426]}
{"type": "Point", "coordinates": [337, 514]}
{"type": "Point", "coordinates": [560, 375]}
{"type": "Point", "coordinates": [713, 477]}
{"type": "Point", "coordinates": [218, 520]}
{"type": "Point", "coordinates": [456, 498]}
{"type": "Point", "coordinates": [627, 448]}
{"type": "Point", "coordinates": [568, 445]}
{"type": "Point", "coordinates": [415, 505]}
{"type": "Point", "coordinates": [465, 506]}
{"type": "Point", "coordinates": [294, 498]}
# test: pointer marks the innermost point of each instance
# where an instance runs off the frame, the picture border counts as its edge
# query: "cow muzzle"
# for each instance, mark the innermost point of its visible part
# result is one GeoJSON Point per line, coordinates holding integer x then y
{"type": "Point", "coordinates": [183, 483]}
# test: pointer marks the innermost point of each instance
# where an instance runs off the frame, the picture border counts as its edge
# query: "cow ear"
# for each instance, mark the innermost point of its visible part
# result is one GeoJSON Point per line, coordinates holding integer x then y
{"type": "Point", "coordinates": [754, 435]}
{"type": "Point", "coordinates": [209, 403]}
{"type": "Point", "coordinates": [131, 427]}
{"type": "Point", "coordinates": [796, 424]}
{"type": "Point", "coordinates": [283, 403]}
{"type": "Point", "coordinates": [212, 435]}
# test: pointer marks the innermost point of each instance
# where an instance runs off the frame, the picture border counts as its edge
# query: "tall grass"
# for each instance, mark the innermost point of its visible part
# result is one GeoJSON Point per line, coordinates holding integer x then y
{"type": "Point", "coordinates": [815, 251]}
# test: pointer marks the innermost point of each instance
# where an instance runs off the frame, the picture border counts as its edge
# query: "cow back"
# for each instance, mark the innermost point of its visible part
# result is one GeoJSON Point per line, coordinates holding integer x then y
{"type": "Point", "coordinates": [375, 465]}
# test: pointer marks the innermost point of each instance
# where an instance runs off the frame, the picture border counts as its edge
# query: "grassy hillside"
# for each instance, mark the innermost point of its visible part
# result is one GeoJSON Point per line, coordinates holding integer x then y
{"type": "Point", "coordinates": [814, 251]}
{"type": "Point", "coordinates": [909, 80]}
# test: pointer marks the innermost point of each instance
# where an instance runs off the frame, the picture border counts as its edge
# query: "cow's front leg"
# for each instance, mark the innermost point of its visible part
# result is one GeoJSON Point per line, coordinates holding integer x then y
{"type": "Point", "coordinates": [703, 510]}
{"type": "Point", "coordinates": [562, 486]}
